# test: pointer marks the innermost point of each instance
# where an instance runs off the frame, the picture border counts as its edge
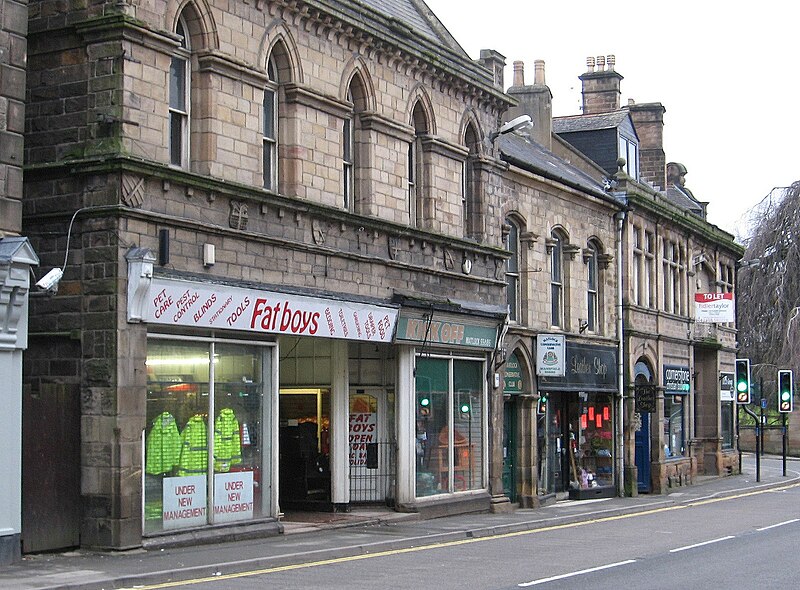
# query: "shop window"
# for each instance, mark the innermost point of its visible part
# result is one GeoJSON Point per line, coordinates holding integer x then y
{"type": "Point", "coordinates": [591, 442]}
{"type": "Point", "coordinates": [205, 431]}
{"type": "Point", "coordinates": [673, 426]}
{"type": "Point", "coordinates": [450, 399]}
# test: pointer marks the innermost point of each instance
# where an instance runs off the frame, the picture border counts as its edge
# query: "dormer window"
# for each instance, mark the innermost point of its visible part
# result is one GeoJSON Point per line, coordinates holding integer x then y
{"type": "Point", "coordinates": [629, 150]}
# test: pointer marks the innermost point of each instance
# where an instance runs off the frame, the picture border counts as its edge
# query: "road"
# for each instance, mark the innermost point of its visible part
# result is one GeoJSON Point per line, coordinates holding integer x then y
{"type": "Point", "coordinates": [744, 541]}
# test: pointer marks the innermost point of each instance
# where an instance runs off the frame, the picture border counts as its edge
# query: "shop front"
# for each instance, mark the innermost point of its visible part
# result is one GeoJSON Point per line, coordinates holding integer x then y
{"type": "Point", "coordinates": [443, 410]}
{"type": "Point", "coordinates": [253, 400]}
{"type": "Point", "coordinates": [577, 450]}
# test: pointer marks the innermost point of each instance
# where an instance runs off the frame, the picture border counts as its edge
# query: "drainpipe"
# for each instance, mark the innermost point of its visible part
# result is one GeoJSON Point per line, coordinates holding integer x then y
{"type": "Point", "coordinates": [619, 217]}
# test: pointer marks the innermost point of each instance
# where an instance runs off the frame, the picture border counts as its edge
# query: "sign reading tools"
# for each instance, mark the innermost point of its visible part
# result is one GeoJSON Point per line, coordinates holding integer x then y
{"type": "Point", "coordinates": [206, 305]}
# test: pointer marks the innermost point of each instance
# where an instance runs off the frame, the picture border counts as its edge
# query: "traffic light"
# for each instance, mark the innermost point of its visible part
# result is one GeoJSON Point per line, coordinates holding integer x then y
{"type": "Point", "coordinates": [785, 391]}
{"type": "Point", "coordinates": [465, 409]}
{"type": "Point", "coordinates": [541, 407]}
{"type": "Point", "coordinates": [743, 381]}
{"type": "Point", "coordinates": [424, 405]}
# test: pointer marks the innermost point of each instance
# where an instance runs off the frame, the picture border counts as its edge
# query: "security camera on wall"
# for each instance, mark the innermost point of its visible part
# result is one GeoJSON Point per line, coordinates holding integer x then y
{"type": "Point", "coordinates": [49, 282]}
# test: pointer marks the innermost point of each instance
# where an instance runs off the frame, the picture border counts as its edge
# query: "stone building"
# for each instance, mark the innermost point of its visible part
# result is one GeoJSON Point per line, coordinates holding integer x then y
{"type": "Point", "coordinates": [284, 278]}
{"type": "Point", "coordinates": [562, 433]}
{"type": "Point", "coordinates": [16, 259]}
{"type": "Point", "coordinates": [679, 411]}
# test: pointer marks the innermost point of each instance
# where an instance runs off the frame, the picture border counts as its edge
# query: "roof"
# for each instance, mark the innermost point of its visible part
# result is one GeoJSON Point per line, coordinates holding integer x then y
{"type": "Point", "coordinates": [683, 198]}
{"type": "Point", "coordinates": [417, 17]}
{"type": "Point", "coordinates": [595, 122]}
{"type": "Point", "coordinates": [528, 154]}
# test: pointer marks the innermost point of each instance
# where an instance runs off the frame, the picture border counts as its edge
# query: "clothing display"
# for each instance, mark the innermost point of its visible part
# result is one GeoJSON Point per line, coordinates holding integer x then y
{"type": "Point", "coordinates": [163, 445]}
{"type": "Point", "coordinates": [194, 447]}
{"type": "Point", "coordinates": [227, 441]}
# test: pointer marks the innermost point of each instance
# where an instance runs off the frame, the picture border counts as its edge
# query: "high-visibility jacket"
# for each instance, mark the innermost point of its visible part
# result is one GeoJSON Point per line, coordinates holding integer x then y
{"type": "Point", "coordinates": [227, 441]}
{"type": "Point", "coordinates": [163, 445]}
{"type": "Point", "coordinates": [194, 447]}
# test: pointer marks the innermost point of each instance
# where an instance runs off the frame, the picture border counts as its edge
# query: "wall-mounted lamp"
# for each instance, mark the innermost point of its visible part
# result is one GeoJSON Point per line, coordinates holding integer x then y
{"type": "Point", "coordinates": [209, 255]}
{"type": "Point", "coordinates": [514, 125]}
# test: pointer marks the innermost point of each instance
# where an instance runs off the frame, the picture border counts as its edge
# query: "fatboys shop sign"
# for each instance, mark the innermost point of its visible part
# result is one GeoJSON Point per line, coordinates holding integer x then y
{"type": "Point", "coordinates": [588, 368]}
{"type": "Point", "coordinates": [175, 302]}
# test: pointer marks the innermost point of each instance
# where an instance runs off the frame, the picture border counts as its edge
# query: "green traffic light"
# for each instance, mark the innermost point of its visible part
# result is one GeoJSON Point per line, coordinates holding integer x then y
{"type": "Point", "coordinates": [741, 386]}
{"type": "Point", "coordinates": [464, 408]}
{"type": "Point", "coordinates": [424, 402]}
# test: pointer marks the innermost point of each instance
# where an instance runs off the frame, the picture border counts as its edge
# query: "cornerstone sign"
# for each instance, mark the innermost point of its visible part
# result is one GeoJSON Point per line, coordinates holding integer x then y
{"type": "Point", "coordinates": [589, 367]}
{"type": "Point", "coordinates": [677, 379]}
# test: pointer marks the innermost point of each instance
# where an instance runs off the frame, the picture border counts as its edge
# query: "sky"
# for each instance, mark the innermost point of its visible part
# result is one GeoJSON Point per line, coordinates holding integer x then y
{"type": "Point", "coordinates": [729, 79]}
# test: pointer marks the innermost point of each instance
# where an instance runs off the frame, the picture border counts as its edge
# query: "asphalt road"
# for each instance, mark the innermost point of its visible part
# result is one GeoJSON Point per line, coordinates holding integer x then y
{"type": "Point", "coordinates": [748, 540]}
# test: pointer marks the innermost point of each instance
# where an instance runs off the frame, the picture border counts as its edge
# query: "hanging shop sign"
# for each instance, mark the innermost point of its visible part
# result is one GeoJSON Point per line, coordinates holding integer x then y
{"type": "Point", "coordinates": [550, 355]}
{"type": "Point", "coordinates": [726, 387]}
{"type": "Point", "coordinates": [713, 307]}
{"type": "Point", "coordinates": [445, 329]}
{"type": "Point", "coordinates": [677, 379]}
{"type": "Point", "coordinates": [588, 367]}
{"type": "Point", "coordinates": [175, 302]}
{"type": "Point", "coordinates": [512, 382]}
{"type": "Point", "coordinates": [645, 396]}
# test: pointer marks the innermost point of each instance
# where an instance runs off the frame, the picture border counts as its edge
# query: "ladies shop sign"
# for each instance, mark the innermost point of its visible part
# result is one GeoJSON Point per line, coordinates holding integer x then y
{"type": "Point", "coordinates": [206, 305]}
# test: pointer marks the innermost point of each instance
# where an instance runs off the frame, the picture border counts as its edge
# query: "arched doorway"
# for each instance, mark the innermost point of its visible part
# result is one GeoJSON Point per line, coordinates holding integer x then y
{"type": "Point", "coordinates": [645, 404]}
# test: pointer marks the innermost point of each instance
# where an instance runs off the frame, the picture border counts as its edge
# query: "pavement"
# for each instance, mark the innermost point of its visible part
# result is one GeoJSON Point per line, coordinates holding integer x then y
{"type": "Point", "coordinates": [362, 531]}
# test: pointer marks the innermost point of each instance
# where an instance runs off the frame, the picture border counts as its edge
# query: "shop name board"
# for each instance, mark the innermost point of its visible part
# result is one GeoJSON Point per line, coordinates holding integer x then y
{"type": "Point", "coordinates": [181, 303]}
{"type": "Point", "coordinates": [726, 387]}
{"type": "Point", "coordinates": [714, 307]}
{"type": "Point", "coordinates": [588, 368]}
{"type": "Point", "coordinates": [677, 379]}
{"type": "Point", "coordinates": [454, 333]}
{"type": "Point", "coordinates": [512, 382]}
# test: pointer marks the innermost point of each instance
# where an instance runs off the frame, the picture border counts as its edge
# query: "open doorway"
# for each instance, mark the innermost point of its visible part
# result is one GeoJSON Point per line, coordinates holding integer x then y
{"type": "Point", "coordinates": [304, 465]}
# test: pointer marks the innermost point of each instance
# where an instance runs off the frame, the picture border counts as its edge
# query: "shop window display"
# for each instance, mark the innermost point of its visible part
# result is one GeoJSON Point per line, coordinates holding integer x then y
{"type": "Point", "coordinates": [203, 454]}
{"type": "Point", "coordinates": [673, 426]}
{"type": "Point", "coordinates": [449, 426]}
{"type": "Point", "coordinates": [591, 443]}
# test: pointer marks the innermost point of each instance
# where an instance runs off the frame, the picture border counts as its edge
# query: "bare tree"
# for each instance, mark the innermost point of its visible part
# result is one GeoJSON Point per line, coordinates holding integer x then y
{"type": "Point", "coordinates": [768, 286]}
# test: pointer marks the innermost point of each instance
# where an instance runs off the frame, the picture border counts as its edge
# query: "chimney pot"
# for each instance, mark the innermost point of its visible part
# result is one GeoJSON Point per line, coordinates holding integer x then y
{"type": "Point", "coordinates": [519, 73]}
{"type": "Point", "coordinates": [631, 102]}
{"type": "Point", "coordinates": [538, 72]}
{"type": "Point", "coordinates": [590, 64]}
{"type": "Point", "coordinates": [601, 63]}
{"type": "Point", "coordinates": [611, 60]}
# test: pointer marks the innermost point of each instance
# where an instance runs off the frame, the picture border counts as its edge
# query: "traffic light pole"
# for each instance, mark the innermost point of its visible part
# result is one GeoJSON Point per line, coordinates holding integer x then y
{"type": "Point", "coordinates": [758, 441]}
{"type": "Point", "coordinates": [785, 442]}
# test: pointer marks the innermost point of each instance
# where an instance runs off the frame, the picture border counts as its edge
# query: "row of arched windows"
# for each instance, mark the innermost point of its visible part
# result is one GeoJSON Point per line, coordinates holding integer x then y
{"type": "Point", "coordinates": [354, 140]}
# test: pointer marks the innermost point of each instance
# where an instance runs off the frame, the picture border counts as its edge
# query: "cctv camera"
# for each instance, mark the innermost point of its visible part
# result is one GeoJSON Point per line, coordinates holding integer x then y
{"type": "Point", "coordinates": [50, 280]}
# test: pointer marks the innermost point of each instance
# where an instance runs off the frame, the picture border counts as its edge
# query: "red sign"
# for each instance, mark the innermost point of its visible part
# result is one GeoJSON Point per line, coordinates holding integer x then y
{"type": "Point", "coordinates": [714, 307]}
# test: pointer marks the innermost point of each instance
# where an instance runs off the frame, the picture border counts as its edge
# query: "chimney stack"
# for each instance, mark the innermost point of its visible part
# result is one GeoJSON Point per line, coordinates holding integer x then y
{"type": "Point", "coordinates": [648, 120]}
{"type": "Point", "coordinates": [601, 85]}
{"type": "Point", "coordinates": [535, 101]}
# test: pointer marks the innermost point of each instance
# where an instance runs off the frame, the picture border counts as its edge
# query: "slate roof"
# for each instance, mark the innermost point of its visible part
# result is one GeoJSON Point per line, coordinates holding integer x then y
{"type": "Point", "coordinates": [683, 198]}
{"type": "Point", "coordinates": [416, 15]}
{"type": "Point", "coordinates": [595, 122]}
{"type": "Point", "coordinates": [531, 156]}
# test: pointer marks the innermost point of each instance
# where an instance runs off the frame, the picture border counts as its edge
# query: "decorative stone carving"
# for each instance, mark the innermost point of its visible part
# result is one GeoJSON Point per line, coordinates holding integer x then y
{"type": "Point", "coordinates": [132, 190]}
{"type": "Point", "coordinates": [318, 231]}
{"type": "Point", "coordinates": [238, 215]}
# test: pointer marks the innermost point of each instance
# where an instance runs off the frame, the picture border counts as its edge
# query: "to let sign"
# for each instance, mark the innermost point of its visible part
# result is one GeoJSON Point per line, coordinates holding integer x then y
{"type": "Point", "coordinates": [713, 307]}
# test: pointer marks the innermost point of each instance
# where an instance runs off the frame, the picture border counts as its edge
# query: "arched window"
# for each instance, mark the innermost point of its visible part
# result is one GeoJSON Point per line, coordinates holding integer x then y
{"type": "Point", "coordinates": [592, 288]}
{"type": "Point", "coordinates": [416, 168]}
{"type": "Point", "coordinates": [179, 99]}
{"type": "Point", "coordinates": [556, 279]}
{"type": "Point", "coordinates": [512, 270]}
{"type": "Point", "coordinates": [471, 221]}
{"type": "Point", "coordinates": [352, 167]}
{"type": "Point", "coordinates": [270, 128]}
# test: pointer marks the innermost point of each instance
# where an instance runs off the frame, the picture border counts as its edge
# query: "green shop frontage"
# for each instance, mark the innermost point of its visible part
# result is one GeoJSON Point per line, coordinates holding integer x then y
{"type": "Point", "coordinates": [446, 364]}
